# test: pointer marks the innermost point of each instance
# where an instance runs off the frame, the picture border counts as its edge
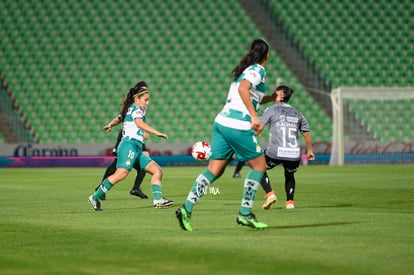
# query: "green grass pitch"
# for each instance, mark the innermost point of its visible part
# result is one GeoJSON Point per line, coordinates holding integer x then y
{"type": "Point", "coordinates": [347, 220]}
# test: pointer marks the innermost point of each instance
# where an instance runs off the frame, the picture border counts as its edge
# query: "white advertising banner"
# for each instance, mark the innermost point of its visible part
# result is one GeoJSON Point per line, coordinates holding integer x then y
{"type": "Point", "coordinates": [80, 150]}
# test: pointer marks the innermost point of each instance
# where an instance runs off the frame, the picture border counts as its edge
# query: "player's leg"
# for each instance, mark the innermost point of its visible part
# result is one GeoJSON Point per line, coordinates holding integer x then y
{"type": "Point", "coordinates": [124, 164]}
{"type": "Point", "coordinates": [156, 188]}
{"type": "Point", "coordinates": [270, 195]}
{"type": "Point", "coordinates": [105, 186]}
{"type": "Point", "coordinates": [290, 168]}
{"type": "Point", "coordinates": [136, 190]}
{"type": "Point", "coordinates": [221, 153]}
{"type": "Point", "coordinates": [239, 166]}
{"type": "Point", "coordinates": [265, 183]}
{"type": "Point", "coordinates": [247, 147]}
{"type": "Point", "coordinates": [202, 182]}
{"type": "Point", "coordinates": [251, 183]}
{"type": "Point", "coordinates": [110, 170]}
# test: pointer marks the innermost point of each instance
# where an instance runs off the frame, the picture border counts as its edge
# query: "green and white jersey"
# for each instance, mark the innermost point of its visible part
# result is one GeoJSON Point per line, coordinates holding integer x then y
{"type": "Point", "coordinates": [129, 128]}
{"type": "Point", "coordinates": [234, 113]}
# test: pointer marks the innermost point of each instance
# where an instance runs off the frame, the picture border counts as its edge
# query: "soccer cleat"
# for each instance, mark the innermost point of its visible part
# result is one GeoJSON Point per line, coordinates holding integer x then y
{"type": "Point", "coordinates": [138, 193]}
{"type": "Point", "coordinates": [236, 175]}
{"type": "Point", "coordinates": [251, 221]}
{"type": "Point", "coordinates": [269, 201]}
{"type": "Point", "coordinates": [163, 203]}
{"type": "Point", "coordinates": [290, 204]}
{"type": "Point", "coordinates": [96, 205]}
{"type": "Point", "coordinates": [183, 218]}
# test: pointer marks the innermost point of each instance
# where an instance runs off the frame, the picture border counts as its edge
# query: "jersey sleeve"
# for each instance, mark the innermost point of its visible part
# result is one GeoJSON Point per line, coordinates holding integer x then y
{"type": "Point", "coordinates": [304, 125]}
{"type": "Point", "coordinates": [137, 114]}
{"type": "Point", "coordinates": [254, 76]}
{"type": "Point", "coordinates": [266, 116]}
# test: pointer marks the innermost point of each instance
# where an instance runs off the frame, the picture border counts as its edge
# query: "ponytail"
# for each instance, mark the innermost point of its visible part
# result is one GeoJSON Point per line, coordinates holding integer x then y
{"type": "Point", "coordinates": [257, 53]}
{"type": "Point", "coordinates": [129, 98]}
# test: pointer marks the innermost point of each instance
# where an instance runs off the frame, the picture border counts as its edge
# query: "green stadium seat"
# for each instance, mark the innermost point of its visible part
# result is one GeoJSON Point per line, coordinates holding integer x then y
{"type": "Point", "coordinates": [87, 46]}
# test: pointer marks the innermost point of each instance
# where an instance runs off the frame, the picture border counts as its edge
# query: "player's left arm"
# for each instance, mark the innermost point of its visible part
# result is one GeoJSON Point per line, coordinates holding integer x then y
{"type": "Point", "coordinates": [144, 126]}
{"type": "Point", "coordinates": [309, 148]}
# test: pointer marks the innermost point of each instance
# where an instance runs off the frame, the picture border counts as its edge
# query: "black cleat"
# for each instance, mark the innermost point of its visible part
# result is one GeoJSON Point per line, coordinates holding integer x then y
{"type": "Point", "coordinates": [237, 175]}
{"type": "Point", "coordinates": [138, 193]}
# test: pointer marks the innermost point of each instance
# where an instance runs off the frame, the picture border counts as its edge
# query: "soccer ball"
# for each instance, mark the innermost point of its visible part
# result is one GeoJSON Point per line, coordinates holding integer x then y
{"type": "Point", "coordinates": [201, 151]}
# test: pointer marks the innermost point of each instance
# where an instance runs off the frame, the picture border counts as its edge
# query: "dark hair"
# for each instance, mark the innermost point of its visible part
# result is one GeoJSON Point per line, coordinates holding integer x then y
{"type": "Point", "coordinates": [257, 53]}
{"type": "Point", "coordinates": [287, 91]}
{"type": "Point", "coordinates": [140, 84]}
{"type": "Point", "coordinates": [139, 89]}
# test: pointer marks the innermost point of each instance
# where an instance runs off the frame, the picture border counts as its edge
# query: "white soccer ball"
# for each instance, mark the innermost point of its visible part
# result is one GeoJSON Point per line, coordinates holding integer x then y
{"type": "Point", "coordinates": [201, 151]}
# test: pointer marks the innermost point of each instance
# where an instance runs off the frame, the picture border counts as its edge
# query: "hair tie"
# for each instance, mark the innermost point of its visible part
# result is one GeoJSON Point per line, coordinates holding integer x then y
{"type": "Point", "coordinates": [141, 92]}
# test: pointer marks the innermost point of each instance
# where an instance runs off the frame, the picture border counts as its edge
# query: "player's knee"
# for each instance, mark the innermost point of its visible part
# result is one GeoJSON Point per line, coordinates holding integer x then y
{"type": "Point", "coordinates": [154, 169]}
{"type": "Point", "coordinates": [159, 172]}
{"type": "Point", "coordinates": [119, 175]}
{"type": "Point", "coordinates": [290, 172]}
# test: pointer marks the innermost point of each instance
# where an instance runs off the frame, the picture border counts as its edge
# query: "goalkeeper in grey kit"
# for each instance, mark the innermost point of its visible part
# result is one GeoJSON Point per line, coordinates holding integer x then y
{"type": "Point", "coordinates": [285, 123]}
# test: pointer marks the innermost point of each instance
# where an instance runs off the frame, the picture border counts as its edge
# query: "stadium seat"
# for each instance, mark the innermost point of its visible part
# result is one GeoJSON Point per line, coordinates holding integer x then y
{"type": "Point", "coordinates": [91, 52]}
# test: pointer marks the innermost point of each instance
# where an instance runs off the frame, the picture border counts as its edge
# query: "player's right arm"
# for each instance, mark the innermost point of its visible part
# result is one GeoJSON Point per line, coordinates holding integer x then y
{"type": "Point", "coordinates": [244, 91]}
{"type": "Point", "coordinates": [268, 98]}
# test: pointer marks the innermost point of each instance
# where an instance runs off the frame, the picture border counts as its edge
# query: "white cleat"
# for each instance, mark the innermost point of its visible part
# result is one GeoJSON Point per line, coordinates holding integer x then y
{"type": "Point", "coordinates": [269, 201]}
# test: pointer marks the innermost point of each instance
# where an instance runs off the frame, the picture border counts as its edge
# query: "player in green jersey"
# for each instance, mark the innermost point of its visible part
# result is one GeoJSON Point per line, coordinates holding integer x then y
{"type": "Point", "coordinates": [234, 133]}
{"type": "Point", "coordinates": [129, 153]}
{"type": "Point", "coordinates": [136, 189]}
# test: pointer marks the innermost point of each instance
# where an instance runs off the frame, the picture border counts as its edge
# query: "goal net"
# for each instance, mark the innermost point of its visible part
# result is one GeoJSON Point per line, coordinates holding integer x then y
{"type": "Point", "coordinates": [372, 126]}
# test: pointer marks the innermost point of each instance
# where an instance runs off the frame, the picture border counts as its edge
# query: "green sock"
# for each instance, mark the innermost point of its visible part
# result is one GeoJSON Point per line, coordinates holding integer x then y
{"type": "Point", "coordinates": [199, 188]}
{"type": "Point", "coordinates": [156, 191]}
{"type": "Point", "coordinates": [103, 188]}
{"type": "Point", "coordinates": [251, 183]}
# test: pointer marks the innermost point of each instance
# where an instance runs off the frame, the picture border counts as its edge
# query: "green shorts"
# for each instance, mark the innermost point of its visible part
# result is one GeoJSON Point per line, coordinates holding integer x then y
{"type": "Point", "coordinates": [227, 141]}
{"type": "Point", "coordinates": [130, 155]}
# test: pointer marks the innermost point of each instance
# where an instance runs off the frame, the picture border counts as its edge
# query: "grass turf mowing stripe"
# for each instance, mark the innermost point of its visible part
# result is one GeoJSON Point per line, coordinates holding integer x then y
{"type": "Point", "coordinates": [347, 220]}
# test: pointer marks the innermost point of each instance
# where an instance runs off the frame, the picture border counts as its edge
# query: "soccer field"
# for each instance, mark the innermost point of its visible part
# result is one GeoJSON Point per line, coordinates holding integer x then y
{"type": "Point", "coordinates": [347, 220]}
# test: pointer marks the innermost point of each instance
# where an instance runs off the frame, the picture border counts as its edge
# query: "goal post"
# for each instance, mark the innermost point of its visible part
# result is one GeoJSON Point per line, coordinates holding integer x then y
{"type": "Point", "coordinates": [372, 125]}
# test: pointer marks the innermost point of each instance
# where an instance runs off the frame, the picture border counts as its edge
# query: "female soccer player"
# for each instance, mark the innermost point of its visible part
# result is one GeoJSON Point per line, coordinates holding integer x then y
{"type": "Point", "coordinates": [234, 133]}
{"type": "Point", "coordinates": [136, 190]}
{"type": "Point", "coordinates": [130, 153]}
{"type": "Point", "coordinates": [285, 123]}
